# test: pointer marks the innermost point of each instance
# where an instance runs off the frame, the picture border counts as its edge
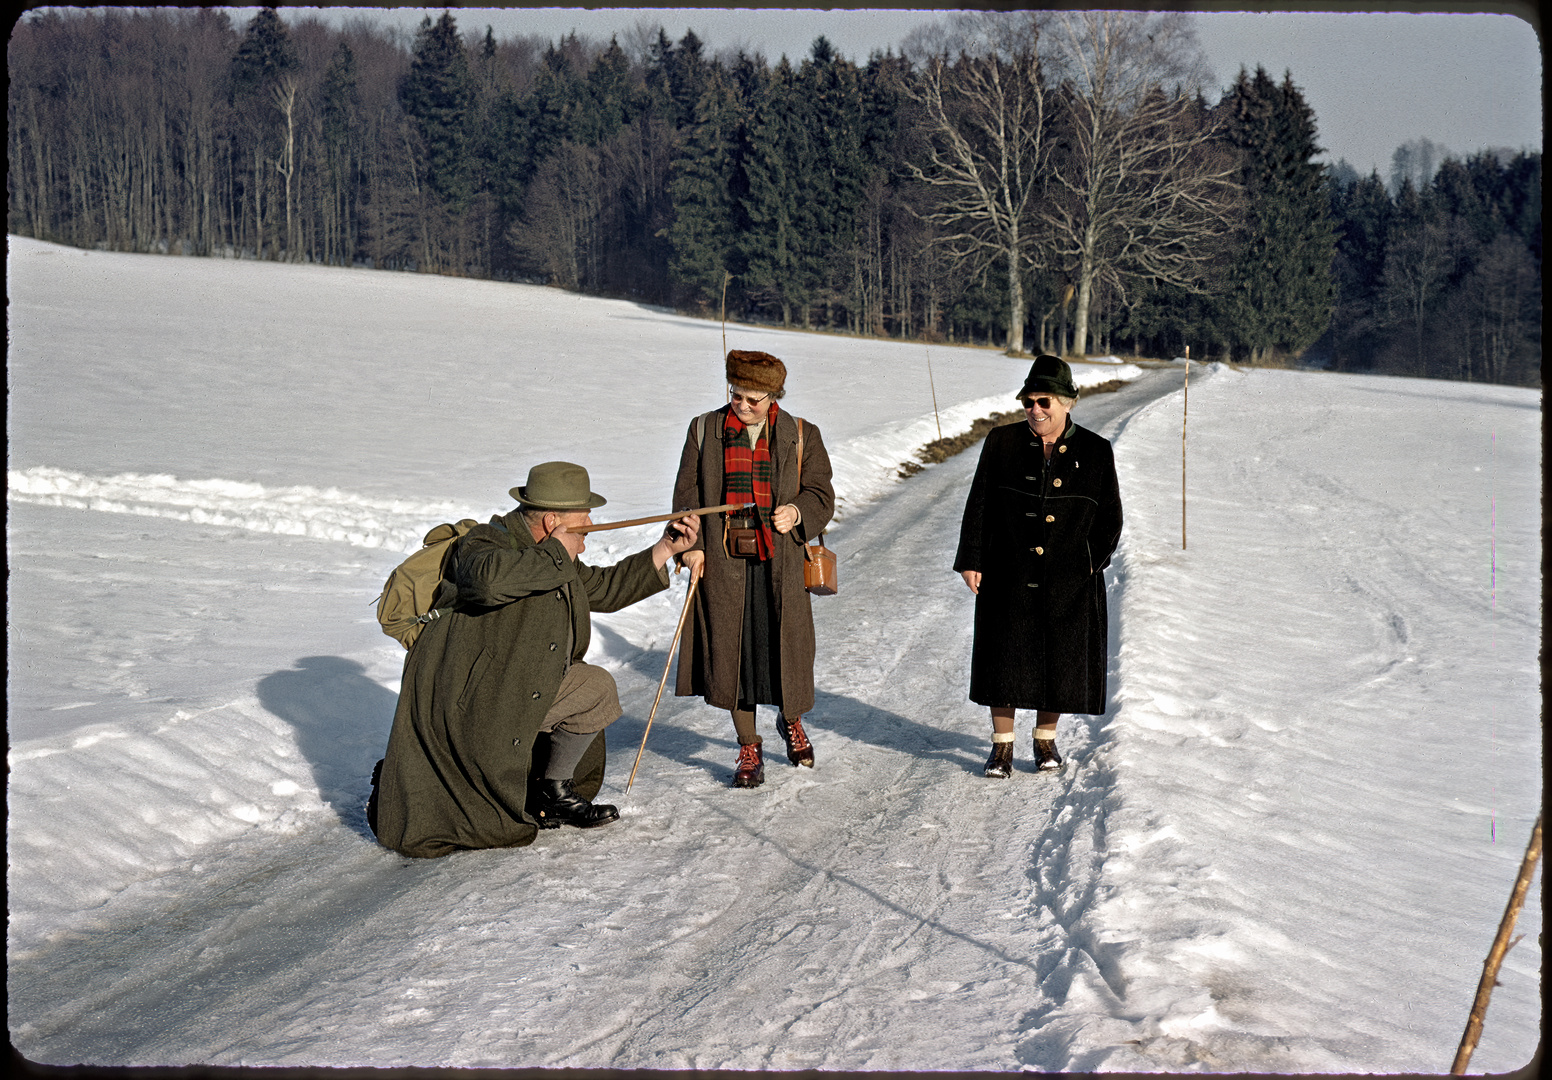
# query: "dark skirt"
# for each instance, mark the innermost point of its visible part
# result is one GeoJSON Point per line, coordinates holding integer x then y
{"type": "Point", "coordinates": [759, 671]}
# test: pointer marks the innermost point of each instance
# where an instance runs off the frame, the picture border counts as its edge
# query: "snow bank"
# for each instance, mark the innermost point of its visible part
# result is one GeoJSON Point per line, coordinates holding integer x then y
{"type": "Point", "coordinates": [326, 514]}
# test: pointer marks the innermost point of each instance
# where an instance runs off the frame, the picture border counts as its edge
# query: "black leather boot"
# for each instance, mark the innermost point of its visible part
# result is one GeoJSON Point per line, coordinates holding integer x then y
{"type": "Point", "coordinates": [1000, 765]}
{"type": "Point", "coordinates": [556, 803]}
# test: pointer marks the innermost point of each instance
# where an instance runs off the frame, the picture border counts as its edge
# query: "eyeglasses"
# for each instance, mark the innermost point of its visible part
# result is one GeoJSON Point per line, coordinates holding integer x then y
{"type": "Point", "coordinates": [1043, 402]}
{"type": "Point", "coordinates": [745, 399]}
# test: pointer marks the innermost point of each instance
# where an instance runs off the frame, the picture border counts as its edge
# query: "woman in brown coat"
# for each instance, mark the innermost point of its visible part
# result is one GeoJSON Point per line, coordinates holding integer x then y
{"type": "Point", "coordinates": [751, 641]}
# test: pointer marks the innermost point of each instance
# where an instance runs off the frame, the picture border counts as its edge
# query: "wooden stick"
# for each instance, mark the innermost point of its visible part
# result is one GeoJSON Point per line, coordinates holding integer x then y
{"type": "Point", "coordinates": [934, 386]}
{"type": "Point", "coordinates": [1183, 414]}
{"type": "Point", "coordinates": [1501, 945]}
{"type": "Point", "coordinates": [695, 580]}
{"type": "Point", "coordinates": [726, 508]}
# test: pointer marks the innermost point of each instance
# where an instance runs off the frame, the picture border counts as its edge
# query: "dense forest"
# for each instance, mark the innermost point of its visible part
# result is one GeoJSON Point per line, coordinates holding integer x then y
{"type": "Point", "coordinates": [1051, 180]}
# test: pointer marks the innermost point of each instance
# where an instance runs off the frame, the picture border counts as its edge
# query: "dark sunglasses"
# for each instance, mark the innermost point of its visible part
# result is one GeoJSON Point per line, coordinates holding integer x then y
{"type": "Point", "coordinates": [1043, 402]}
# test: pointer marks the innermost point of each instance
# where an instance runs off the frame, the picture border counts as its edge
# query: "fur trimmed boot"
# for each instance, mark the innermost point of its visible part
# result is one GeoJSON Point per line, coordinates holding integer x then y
{"type": "Point", "coordinates": [1000, 765]}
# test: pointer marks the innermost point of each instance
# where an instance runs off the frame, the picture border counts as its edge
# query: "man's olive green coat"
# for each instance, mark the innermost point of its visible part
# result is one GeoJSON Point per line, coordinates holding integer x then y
{"type": "Point", "coordinates": [710, 653]}
{"type": "Point", "coordinates": [479, 681]}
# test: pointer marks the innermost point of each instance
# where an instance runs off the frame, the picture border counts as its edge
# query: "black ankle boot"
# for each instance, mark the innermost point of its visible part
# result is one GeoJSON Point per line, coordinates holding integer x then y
{"type": "Point", "coordinates": [556, 803]}
{"type": "Point", "coordinates": [1000, 765]}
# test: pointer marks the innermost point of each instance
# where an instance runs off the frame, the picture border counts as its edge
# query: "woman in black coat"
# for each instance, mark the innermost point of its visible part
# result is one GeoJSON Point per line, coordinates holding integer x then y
{"type": "Point", "coordinates": [1042, 520]}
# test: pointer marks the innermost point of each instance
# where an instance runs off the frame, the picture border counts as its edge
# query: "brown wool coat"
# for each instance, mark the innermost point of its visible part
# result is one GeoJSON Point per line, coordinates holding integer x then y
{"type": "Point", "coordinates": [479, 681]}
{"type": "Point", "coordinates": [710, 651]}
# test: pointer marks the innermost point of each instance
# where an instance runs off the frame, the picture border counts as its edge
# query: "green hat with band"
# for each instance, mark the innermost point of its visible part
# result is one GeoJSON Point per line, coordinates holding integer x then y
{"type": "Point", "coordinates": [557, 485]}
{"type": "Point", "coordinates": [1049, 375]}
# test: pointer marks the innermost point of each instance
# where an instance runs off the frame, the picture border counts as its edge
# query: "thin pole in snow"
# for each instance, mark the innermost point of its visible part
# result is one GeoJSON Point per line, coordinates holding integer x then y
{"type": "Point", "coordinates": [934, 387]}
{"type": "Point", "coordinates": [727, 276]}
{"type": "Point", "coordinates": [1183, 413]}
{"type": "Point", "coordinates": [1501, 946]}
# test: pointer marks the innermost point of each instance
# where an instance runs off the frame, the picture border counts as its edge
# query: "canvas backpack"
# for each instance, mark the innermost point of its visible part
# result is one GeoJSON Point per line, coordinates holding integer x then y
{"type": "Point", "coordinates": [404, 608]}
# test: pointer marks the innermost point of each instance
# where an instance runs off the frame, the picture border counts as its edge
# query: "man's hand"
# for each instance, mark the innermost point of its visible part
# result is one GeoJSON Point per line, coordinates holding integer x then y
{"type": "Point", "coordinates": [785, 517]}
{"type": "Point", "coordinates": [678, 536]}
{"type": "Point", "coordinates": [574, 543]}
{"type": "Point", "coordinates": [972, 579]}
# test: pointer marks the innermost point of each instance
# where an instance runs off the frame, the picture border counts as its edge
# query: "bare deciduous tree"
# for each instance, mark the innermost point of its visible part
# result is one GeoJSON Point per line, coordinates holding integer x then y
{"type": "Point", "coordinates": [986, 147]}
{"type": "Point", "coordinates": [563, 211]}
{"type": "Point", "coordinates": [1139, 188]}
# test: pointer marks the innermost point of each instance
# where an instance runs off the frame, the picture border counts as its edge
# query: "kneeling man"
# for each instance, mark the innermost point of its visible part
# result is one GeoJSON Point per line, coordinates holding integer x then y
{"type": "Point", "coordinates": [499, 727]}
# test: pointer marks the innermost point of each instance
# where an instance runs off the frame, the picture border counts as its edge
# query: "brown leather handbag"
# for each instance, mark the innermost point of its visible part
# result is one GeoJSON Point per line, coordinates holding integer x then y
{"type": "Point", "coordinates": [819, 574]}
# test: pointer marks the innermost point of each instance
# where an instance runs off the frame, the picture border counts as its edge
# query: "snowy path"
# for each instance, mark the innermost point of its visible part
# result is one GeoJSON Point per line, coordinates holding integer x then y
{"type": "Point", "coordinates": [1285, 848]}
{"type": "Point", "coordinates": [896, 906]}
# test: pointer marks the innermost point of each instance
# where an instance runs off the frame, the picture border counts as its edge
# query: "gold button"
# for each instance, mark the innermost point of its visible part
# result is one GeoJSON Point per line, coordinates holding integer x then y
{"type": "Point", "coordinates": [1039, 551]}
{"type": "Point", "coordinates": [1056, 483]}
{"type": "Point", "coordinates": [1061, 449]}
{"type": "Point", "coordinates": [1048, 517]}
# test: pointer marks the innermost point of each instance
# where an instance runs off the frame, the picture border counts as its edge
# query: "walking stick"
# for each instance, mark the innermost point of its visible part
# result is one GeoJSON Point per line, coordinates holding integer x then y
{"type": "Point", "coordinates": [688, 597]}
{"type": "Point", "coordinates": [726, 508]}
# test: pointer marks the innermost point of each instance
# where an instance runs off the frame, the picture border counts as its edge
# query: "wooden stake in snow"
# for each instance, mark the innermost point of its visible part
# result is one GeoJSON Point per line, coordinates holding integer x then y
{"type": "Point", "coordinates": [689, 596]}
{"type": "Point", "coordinates": [1183, 413]}
{"type": "Point", "coordinates": [727, 276]}
{"type": "Point", "coordinates": [934, 386]}
{"type": "Point", "coordinates": [1501, 946]}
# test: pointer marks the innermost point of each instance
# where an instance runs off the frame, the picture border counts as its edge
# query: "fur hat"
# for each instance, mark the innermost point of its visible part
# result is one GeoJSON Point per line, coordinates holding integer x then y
{"type": "Point", "coordinates": [756, 371]}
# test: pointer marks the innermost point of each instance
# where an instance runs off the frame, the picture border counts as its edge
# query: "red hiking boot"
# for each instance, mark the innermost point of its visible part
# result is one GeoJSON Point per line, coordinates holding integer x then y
{"type": "Point", "coordinates": [750, 771]}
{"type": "Point", "coordinates": [799, 750]}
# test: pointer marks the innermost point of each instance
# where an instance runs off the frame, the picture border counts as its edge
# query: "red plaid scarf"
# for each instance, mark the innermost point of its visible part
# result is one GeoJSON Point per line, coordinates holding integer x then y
{"type": "Point", "coordinates": [746, 472]}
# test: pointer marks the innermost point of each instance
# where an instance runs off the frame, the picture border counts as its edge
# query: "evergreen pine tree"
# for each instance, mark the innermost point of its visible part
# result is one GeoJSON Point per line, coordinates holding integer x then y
{"type": "Point", "coordinates": [777, 155]}
{"type": "Point", "coordinates": [265, 55]}
{"type": "Point", "coordinates": [437, 95]}
{"type": "Point", "coordinates": [1282, 290]}
{"type": "Point", "coordinates": [835, 172]}
{"type": "Point", "coordinates": [702, 234]}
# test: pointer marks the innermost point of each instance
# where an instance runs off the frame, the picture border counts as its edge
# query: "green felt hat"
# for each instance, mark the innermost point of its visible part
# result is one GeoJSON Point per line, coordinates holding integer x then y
{"type": "Point", "coordinates": [1049, 375]}
{"type": "Point", "coordinates": [557, 485]}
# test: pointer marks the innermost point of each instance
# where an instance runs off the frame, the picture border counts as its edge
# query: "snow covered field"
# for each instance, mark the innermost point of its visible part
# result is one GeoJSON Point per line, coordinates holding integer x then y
{"type": "Point", "coordinates": [1285, 848]}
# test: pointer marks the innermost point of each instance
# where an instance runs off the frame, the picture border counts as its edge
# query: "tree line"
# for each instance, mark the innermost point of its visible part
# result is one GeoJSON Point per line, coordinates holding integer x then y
{"type": "Point", "coordinates": [1442, 279]}
{"type": "Point", "coordinates": [1041, 179]}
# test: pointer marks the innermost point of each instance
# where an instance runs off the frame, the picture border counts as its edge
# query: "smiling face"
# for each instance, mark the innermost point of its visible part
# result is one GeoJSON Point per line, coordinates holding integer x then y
{"type": "Point", "coordinates": [1047, 415]}
{"type": "Point", "coordinates": [751, 407]}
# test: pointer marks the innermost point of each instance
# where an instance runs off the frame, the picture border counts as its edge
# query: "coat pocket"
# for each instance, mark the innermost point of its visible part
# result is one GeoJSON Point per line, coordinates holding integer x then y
{"type": "Point", "coordinates": [476, 673]}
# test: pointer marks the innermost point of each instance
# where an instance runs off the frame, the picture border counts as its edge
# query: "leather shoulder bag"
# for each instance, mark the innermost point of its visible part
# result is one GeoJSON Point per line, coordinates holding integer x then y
{"type": "Point", "coordinates": [819, 575]}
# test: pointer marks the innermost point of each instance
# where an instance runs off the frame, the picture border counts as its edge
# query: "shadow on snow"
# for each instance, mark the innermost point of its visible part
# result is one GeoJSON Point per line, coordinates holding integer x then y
{"type": "Point", "coordinates": [342, 719]}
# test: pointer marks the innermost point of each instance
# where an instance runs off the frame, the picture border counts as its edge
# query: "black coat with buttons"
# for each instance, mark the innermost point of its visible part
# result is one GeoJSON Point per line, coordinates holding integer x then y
{"type": "Point", "coordinates": [1040, 532]}
{"type": "Point", "coordinates": [479, 681]}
